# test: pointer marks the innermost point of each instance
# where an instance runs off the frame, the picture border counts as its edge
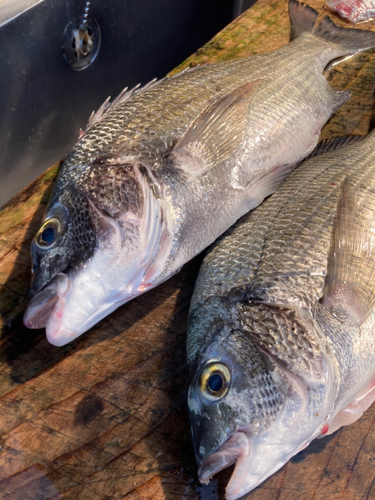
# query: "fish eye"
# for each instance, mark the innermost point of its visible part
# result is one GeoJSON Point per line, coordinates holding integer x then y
{"type": "Point", "coordinates": [214, 381]}
{"type": "Point", "coordinates": [48, 233]}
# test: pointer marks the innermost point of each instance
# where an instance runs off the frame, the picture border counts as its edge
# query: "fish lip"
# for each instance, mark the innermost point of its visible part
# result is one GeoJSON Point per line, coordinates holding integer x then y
{"type": "Point", "coordinates": [35, 289]}
{"type": "Point", "coordinates": [44, 302]}
{"type": "Point", "coordinates": [58, 337]}
{"type": "Point", "coordinates": [234, 450]}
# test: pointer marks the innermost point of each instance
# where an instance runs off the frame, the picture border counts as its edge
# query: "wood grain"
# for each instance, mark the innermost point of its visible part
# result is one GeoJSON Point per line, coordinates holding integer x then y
{"type": "Point", "coordinates": [105, 416]}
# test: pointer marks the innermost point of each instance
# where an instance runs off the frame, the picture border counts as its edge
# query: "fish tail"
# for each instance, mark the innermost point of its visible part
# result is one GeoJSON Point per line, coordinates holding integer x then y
{"type": "Point", "coordinates": [352, 40]}
{"type": "Point", "coordinates": [302, 18]}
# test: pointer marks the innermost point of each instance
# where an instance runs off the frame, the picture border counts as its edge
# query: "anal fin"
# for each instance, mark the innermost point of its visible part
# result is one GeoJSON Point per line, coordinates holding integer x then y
{"type": "Point", "coordinates": [341, 96]}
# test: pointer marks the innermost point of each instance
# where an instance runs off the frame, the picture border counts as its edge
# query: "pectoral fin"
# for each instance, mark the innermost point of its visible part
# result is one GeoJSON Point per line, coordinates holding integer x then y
{"type": "Point", "coordinates": [217, 133]}
{"type": "Point", "coordinates": [264, 185]}
{"type": "Point", "coordinates": [350, 281]}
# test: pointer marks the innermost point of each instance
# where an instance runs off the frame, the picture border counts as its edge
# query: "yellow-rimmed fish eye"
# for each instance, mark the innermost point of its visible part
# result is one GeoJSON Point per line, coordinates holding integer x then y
{"type": "Point", "coordinates": [48, 233]}
{"type": "Point", "coordinates": [214, 382]}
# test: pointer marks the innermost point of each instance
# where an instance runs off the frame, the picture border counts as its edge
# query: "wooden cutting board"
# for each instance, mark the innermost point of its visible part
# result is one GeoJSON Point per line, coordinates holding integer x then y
{"type": "Point", "coordinates": [105, 416]}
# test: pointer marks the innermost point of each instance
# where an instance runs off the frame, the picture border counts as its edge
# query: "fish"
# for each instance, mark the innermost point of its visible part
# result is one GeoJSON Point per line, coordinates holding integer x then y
{"type": "Point", "coordinates": [280, 342]}
{"type": "Point", "coordinates": [165, 169]}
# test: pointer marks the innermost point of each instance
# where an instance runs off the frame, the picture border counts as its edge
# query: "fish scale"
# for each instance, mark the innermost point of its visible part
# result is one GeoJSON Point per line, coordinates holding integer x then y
{"type": "Point", "coordinates": [324, 201]}
{"type": "Point", "coordinates": [195, 91]}
{"type": "Point", "coordinates": [164, 170]}
{"type": "Point", "coordinates": [230, 262]}
{"type": "Point", "coordinates": [296, 277]}
{"type": "Point", "coordinates": [146, 114]}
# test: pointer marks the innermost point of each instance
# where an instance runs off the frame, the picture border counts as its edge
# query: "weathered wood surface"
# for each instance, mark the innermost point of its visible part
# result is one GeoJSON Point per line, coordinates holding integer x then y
{"type": "Point", "coordinates": [105, 416]}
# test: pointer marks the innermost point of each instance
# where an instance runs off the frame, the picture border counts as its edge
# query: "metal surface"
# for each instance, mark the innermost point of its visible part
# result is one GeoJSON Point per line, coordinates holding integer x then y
{"type": "Point", "coordinates": [9, 9]}
{"type": "Point", "coordinates": [43, 103]}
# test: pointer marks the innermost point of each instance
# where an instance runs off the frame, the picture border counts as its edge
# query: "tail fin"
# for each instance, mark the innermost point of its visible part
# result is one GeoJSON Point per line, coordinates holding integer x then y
{"type": "Point", "coordinates": [302, 18]}
{"type": "Point", "coordinates": [353, 40]}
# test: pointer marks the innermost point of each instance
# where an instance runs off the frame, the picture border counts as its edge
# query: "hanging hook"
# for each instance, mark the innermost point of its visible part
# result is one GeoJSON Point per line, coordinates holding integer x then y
{"type": "Point", "coordinates": [85, 18]}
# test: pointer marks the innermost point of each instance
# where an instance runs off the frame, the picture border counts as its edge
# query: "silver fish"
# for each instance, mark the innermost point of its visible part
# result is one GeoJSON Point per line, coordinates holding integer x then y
{"type": "Point", "coordinates": [281, 344]}
{"type": "Point", "coordinates": [163, 171]}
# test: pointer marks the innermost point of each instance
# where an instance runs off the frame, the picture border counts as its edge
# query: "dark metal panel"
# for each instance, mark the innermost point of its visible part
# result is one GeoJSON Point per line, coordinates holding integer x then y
{"type": "Point", "coordinates": [43, 102]}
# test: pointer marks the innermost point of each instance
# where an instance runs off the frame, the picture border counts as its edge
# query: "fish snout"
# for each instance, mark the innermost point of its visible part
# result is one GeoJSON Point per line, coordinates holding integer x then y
{"type": "Point", "coordinates": [209, 440]}
{"type": "Point", "coordinates": [237, 447]}
{"type": "Point", "coordinates": [44, 302]}
{"type": "Point", "coordinates": [38, 283]}
{"type": "Point", "coordinates": [40, 309]}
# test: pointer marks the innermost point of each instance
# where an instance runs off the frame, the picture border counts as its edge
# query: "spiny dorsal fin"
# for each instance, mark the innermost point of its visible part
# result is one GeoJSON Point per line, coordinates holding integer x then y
{"type": "Point", "coordinates": [217, 132]}
{"type": "Point", "coordinates": [122, 97]}
{"type": "Point", "coordinates": [126, 94]}
{"type": "Point", "coordinates": [302, 18]}
{"type": "Point", "coordinates": [350, 281]}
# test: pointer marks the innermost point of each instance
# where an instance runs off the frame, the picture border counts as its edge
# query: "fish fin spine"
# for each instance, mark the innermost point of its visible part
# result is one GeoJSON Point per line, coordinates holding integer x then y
{"type": "Point", "coordinates": [126, 94]}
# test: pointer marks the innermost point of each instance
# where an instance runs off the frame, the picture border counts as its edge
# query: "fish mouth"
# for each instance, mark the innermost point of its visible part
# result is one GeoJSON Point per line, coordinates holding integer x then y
{"type": "Point", "coordinates": [235, 450]}
{"type": "Point", "coordinates": [46, 301]}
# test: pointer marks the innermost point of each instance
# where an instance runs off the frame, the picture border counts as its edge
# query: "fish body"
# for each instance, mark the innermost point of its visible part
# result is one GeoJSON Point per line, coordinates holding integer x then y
{"type": "Point", "coordinates": [163, 171]}
{"type": "Point", "coordinates": [283, 318]}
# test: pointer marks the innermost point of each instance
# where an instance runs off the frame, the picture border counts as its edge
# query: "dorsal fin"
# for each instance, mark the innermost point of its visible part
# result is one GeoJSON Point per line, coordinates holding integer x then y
{"type": "Point", "coordinates": [327, 145]}
{"type": "Point", "coordinates": [350, 281]}
{"type": "Point", "coordinates": [127, 94]}
{"type": "Point", "coordinates": [217, 132]}
{"type": "Point", "coordinates": [124, 95]}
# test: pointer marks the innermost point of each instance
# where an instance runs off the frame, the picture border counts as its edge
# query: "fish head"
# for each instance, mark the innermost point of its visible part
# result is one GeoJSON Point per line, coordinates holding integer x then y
{"type": "Point", "coordinates": [94, 250]}
{"type": "Point", "coordinates": [246, 406]}
{"type": "Point", "coordinates": [53, 247]}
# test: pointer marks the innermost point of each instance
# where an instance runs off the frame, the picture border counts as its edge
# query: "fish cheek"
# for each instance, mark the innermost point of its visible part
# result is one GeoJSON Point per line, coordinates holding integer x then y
{"type": "Point", "coordinates": [109, 237]}
{"type": "Point", "coordinates": [252, 404]}
{"type": "Point", "coordinates": [104, 224]}
{"type": "Point", "coordinates": [293, 393]}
